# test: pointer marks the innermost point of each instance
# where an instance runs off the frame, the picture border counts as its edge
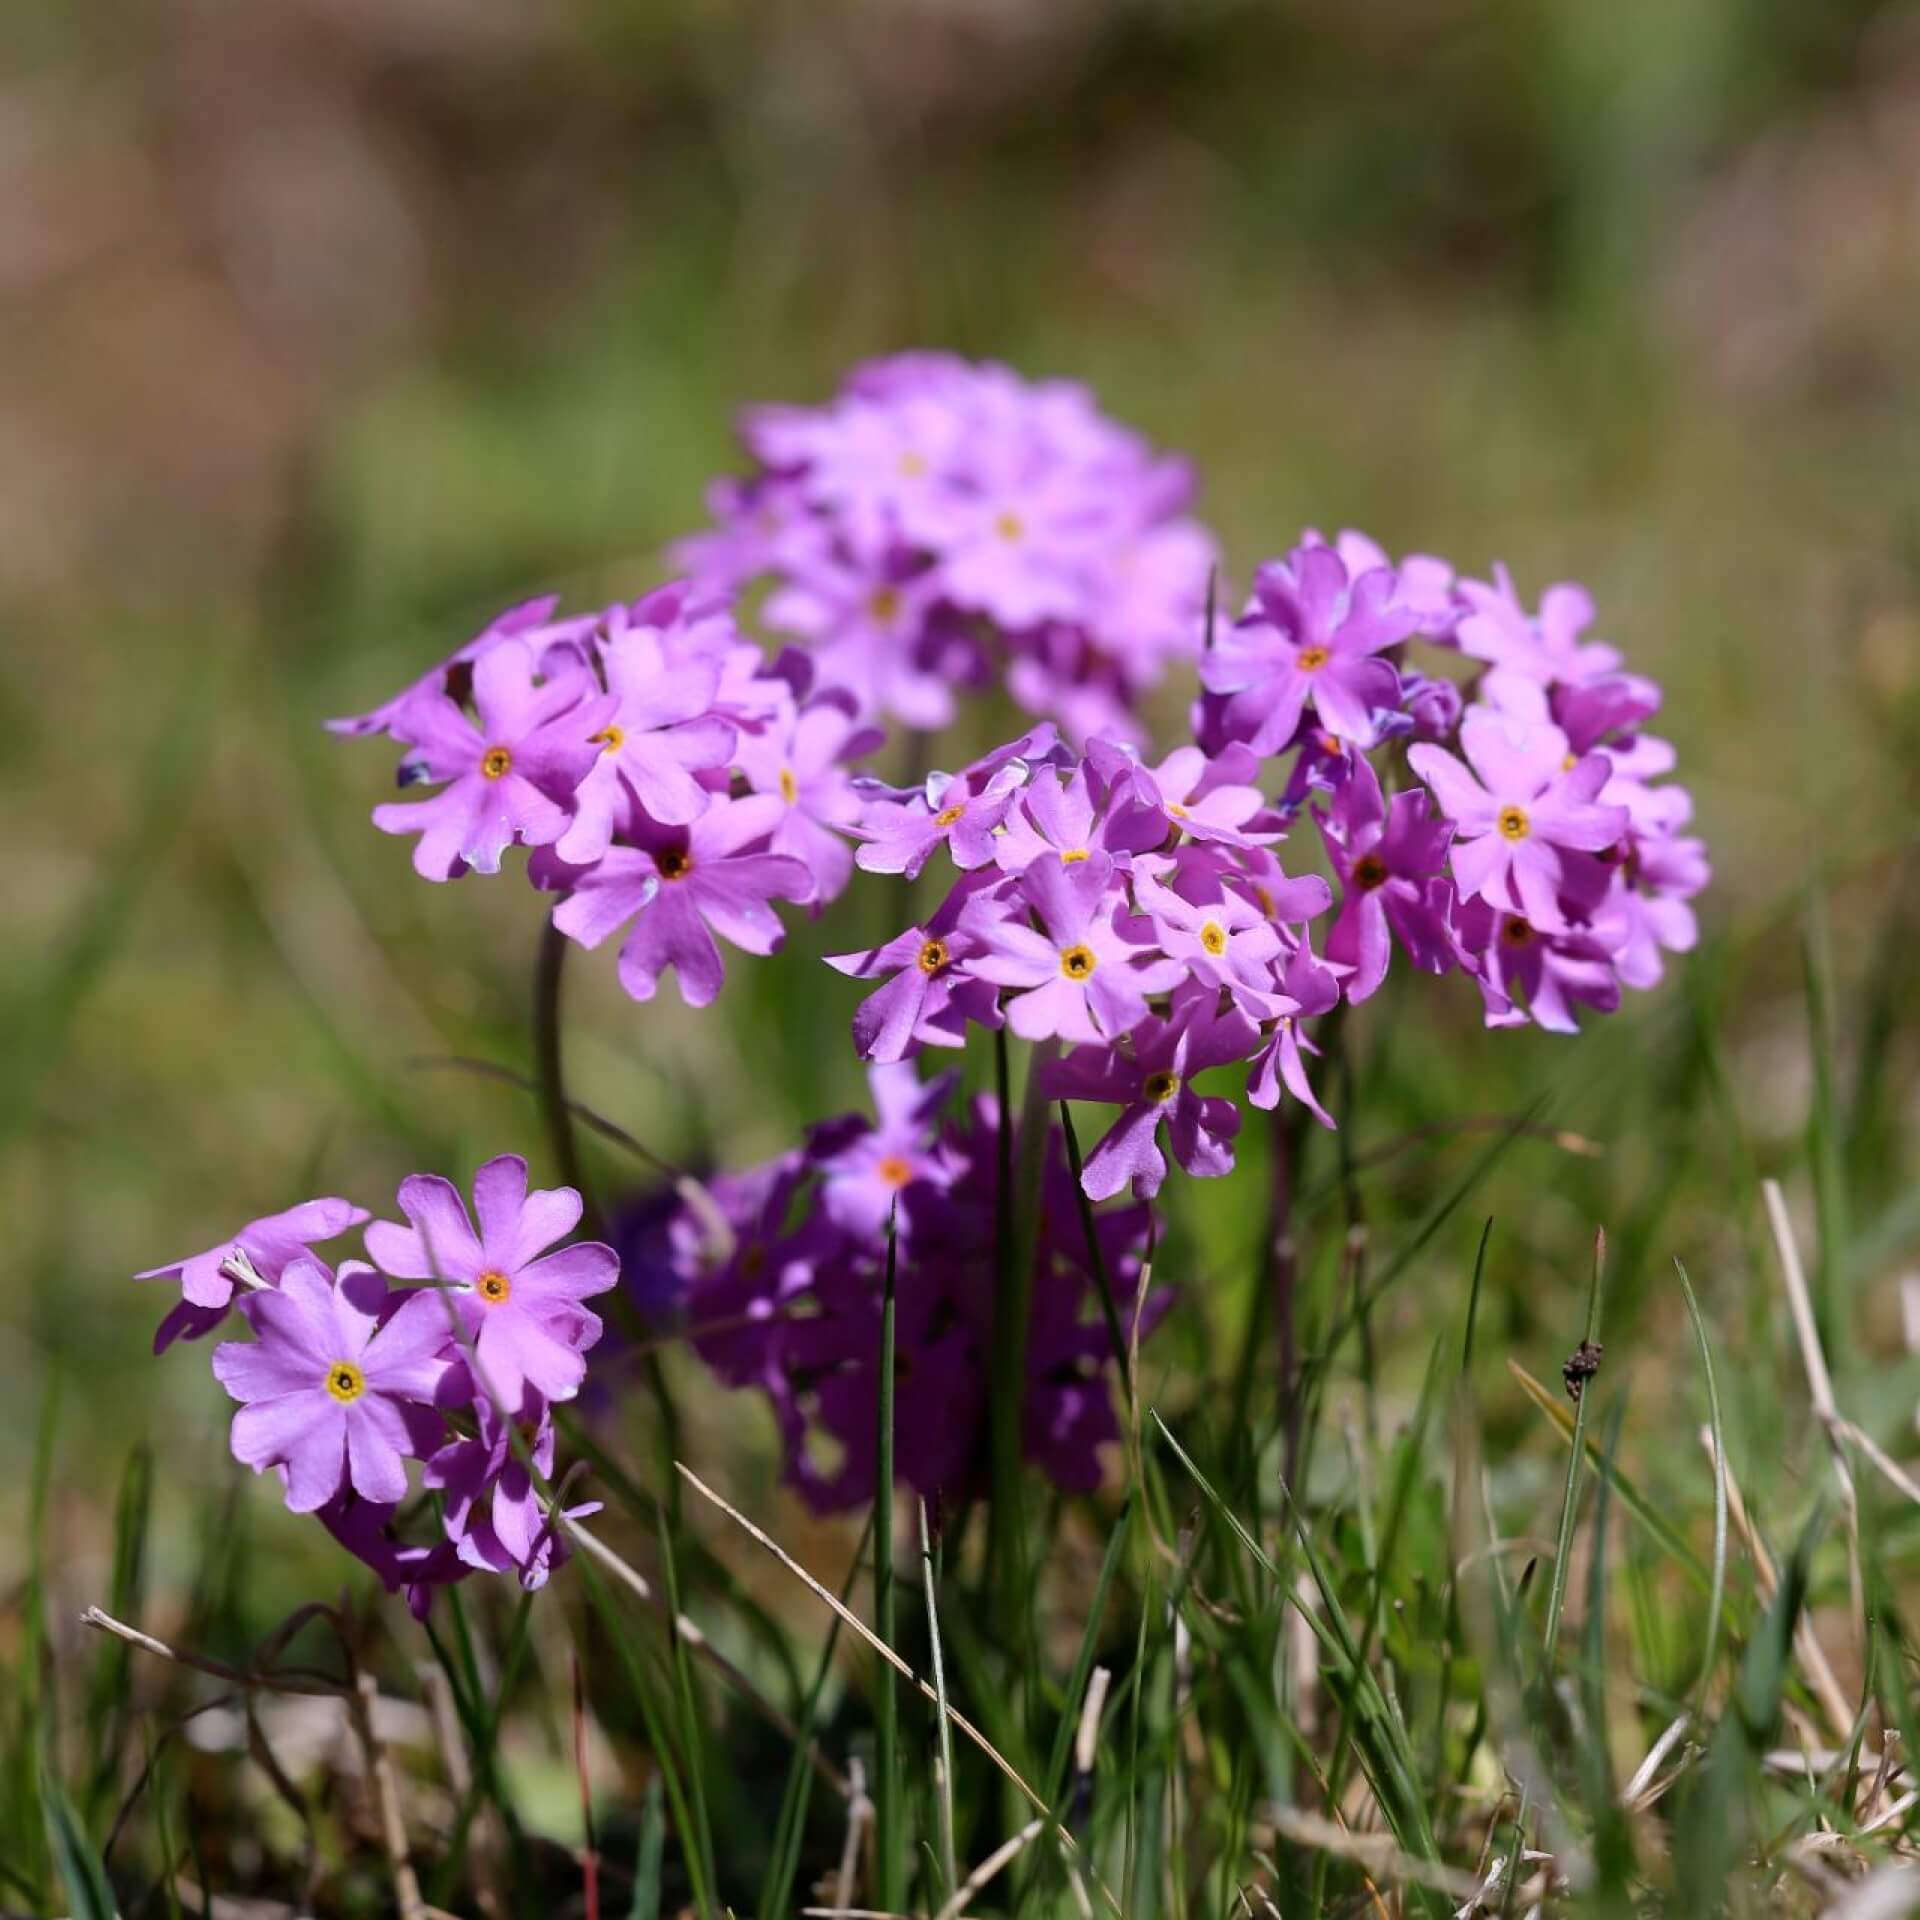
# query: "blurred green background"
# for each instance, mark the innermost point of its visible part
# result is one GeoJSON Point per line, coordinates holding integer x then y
{"type": "Point", "coordinates": [329, 326]}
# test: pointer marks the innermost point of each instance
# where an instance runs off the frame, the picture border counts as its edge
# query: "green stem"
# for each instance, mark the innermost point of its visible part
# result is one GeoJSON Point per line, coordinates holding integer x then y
{"type": "Point", "coordinates": [555, 1112]}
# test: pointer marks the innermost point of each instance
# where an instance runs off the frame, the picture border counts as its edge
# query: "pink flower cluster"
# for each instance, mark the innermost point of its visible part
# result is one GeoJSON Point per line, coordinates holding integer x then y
{"type": "Point", "coordinates": [1139, 912]}
{"type": "Point", "coordinates": [941, 524]}
{"type": "Point", "coordinates": [671, 782]}
{"type": "Point", "coordinates": [347, 1378]}
{"type": "Point", "coordinates": [781, 1285]}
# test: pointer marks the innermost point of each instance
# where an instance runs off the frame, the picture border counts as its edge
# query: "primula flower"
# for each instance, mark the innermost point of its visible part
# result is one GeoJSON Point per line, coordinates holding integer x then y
{"type": "Point", "coordinates": [1221, 938]}
{"type": "Point", "coordinates": [270, 1245]}
{"type": "Point", "coordinates": [1153, 1085]}
{"type": "Point", "coordinates": [1391, 861]}
{"type": "Point", "coordinates": [1307, 990]}
{"type": "Point", "coordinates": [1205, 799]}
{"type": "Point", "coordinates": [1539, 974]}
{"type": "Point", "coordinates": [861, 1181]}
{"type": "Point", "coordinates": [801, 761]}
{"type": "Point", "coordinates": [338, 1384]}
{"type": "Point", "coordinates": [493, 1514]}
{"type": "Point", "coordinates": [1055, 817]}
{"type": "Point", "coordinates": [959, 810]}
{"type": "Point", "coordinates": [661, 731]}
{"type": "Point", "coordinates": [1524, 822]}
{"type": "Point", "coordinates": [1498, 629]}
{"type": "Point", "coordinates": [520, 1313]}
{"type": "Point", "coordinates": [1311, 634]}
{"type": "Point", "coordinates": [680, 886]}
{"type": "Point", "coordinates": [512, 773]}
{"type": "Point", "coordinates": [930, 995]}
{"type": "Point", "coordinates": [1081, 978]}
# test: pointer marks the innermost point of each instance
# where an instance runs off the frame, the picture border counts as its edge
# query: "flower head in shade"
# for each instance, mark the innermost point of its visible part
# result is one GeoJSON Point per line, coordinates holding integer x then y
{"type": "Point", "coordinates": [1306, 990]}
{"type": "Point", "coordinates": [1312, 634]}
{"type": "Point", "coordinates": [511, 770]}
{"type": "Point", "coordinates": [1536, 973]}
{"type": "Point", "coordinates": [895, 1161]}
{"type": "Point", "coordinates": [683, 886]}
{"type": "Point", "coordinates": [519, 1306]}
{"type": "Point", "coordinates": [338, 1384]}
{"type": "Point", "coordinates": [1152, 1085]}
{"type": "Point", "coordinates": [1524, 817]}
{"type": "Point", "coordinates": [1391, 861]}
{"type": "Point", "coordinates": [270, 1246]}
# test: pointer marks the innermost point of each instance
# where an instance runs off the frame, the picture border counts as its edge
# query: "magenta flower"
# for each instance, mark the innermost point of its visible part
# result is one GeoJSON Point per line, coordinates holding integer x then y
{"type": "Point", "coordinates": [959, 811]}
{"type": "Point", "coordinates": [1524, 823]}
{"type": "Point", "coordinates": [1530, 973]}
{"type": "Point", "coordinates": [1311, 634]}
{"type": "Point", "coordinates": [882, 1164]}
{"type": "Point", "coordinates": [520, 1313]}
{"type": "Point", "coordinates": [660, 732]}
{"type": "Point", "coordinates": [493, 1513]}
{"type": "Point", "coordinates": [337, 1387]}
{"type": "Point", "coordinates": [271, 1245]}
{"type": "Point", "coordinates": [1220, 937]}
{"type": "Point", "coordinates": [1307, 990]}
{"type": "Point", "coordinates": [801, 760]}
{"type": "Point", "coordinates": [680, 886]}
{"type": "Point", "coordinates": [1055, 817]}
{"type": "Point", "coordinates": [1498, 629]}
{"type": "Point", "coordinates": [1391, 861]}
{"type": "Point", "coordinates": [1081, 978]}
{"type": "Point", "coordinates": [930, 993]}
{"type": "Point", "coordinates": [512, 774]}
{"type": "Point", "coordinates": [1153, 1085]}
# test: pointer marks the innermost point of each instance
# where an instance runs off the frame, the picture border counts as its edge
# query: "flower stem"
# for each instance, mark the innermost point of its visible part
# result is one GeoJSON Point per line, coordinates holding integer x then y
{"type": "Point", "coordinates": [549, 968]}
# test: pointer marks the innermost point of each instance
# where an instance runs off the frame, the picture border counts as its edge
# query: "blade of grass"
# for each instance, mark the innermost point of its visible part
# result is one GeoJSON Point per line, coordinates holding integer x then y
{"type": "Point", "coordinates": [75, 1855]}
{"type": "Point", "coordinates": [943, 1787]}
{"type": "Point", "coordinates": [1717, 1590]}
{"type": "Point", "coordinates": [889, 1823]}
{"type": "Point", "coordinates": [692, 1730]}
{"type": "Point", "coordinates": [645, 1904]}
{"type": "Point", "coordinates": [107, 1697]}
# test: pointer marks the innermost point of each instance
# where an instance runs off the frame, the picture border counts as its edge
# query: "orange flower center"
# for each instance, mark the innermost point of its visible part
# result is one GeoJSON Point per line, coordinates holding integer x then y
{"type": "Point", "coordinates": [933, 956]}
{"type": "Point", "coordinates": [609, 739]}
{"type": "Point", "coordinates": [895, 1170]}
{"type": "Point", "coordinates": [1009, 526]}
{"type": "Point", "coordinates": [1514, 824]}
{"type": "Point", "coordinates": [789, 786]}
{"type": "Point", "coordinates": [673, 863]}
{"type": "Point", "coordinates": [1078, 962]}
{"type": "Point", "coordinates": [883, 605]}
{"type": "Point", "coordinates": [494, 1287]}
{"type": "Point", "coordinates": [947, 816]}
{"type": "Point", "coordinates": [1312, 659]}
{"type": "Point", "coordinates": [345, 1382]}
{"type": "Point", "coordinates": [1213, 936]}
{"type": "Point", "coordinates": [496, 763]}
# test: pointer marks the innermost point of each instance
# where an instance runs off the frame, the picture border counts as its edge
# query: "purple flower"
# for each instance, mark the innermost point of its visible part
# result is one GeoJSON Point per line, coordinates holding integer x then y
{"type": "Point", "coordinates": [930, 994]}
{"type": "Point", "coordinates": [660, 732]}
{"type": "Point", "coordinates": [801, 761]}
{"type": "Point", "coordinates": [1311, 634]}
{"type": "Point", "coordinates": [1524, 822]}
{"type": "Point", "coordinates": [271, 1245]}
{"type": "Point", "coordinates": [1307, 989]}
{"type": "Point", "coordinates": [1222, 938]}
{"type": "Point", "coordinates": [338, 1384]}
{"type": "Point", "coordinates": [861, 1180]}
{"type": "Point", "coordinates": [958, 810]}
{"type": "Point", "coordinates": [1391, 861]}
{"type": "Point", "coordinates": [1530, 973]}
{"type": "Point", "coordinates": [1052, 817]}
{"type": "Point", "coordinates": [512, 775]}
{"type": "Point", "coordinates": [1081, 978]}
{"type": "Point", "coordinates": [520, 1313]}
{"type": "Point", "coordinates": [680, 886]}
{"type": "Point", "coordinates": [1499, 629]}
{"type": "Point", "coordinates": [493, 1514]}
{"type": "Point", "coordinates": [1153, 1085]}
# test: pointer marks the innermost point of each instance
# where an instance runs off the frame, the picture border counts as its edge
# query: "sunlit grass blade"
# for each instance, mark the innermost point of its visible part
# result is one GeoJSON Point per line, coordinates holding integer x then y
{"type": "Point", "coordinates": [107, 1698]}
{"type": "Point", "coordinates": [76, 1857]}
{"type": "Point", "coordinates": [1716, 1591]}
{"type": "Point", "coordinates": [692, 1727]}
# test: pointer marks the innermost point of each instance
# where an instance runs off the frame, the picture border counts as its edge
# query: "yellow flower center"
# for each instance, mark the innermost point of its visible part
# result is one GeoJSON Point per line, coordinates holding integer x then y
{"type": "Point", "coordinates": [346, 1382]}
{"type": "Point", "coordinates": [494, 1287]}
{"type": "Point", "coordinates": [1160, 1087]}
{"type": "Point", "coordinates": [496, 763]}
{"type": "Point", "coordinates": [1369, 871]}
{"type": "Point", "coordinates": [1074, 855]}
{"type": "Point", "coordinates": [1312, 659]}
{"type": "Point", "coordinates": [1514, 824]}
{"type": "Point", "coordinates": [1264, 898]}
{"type": "Point", "coordinates": [609, 739]}
{"type": "Point", "coordinates": [1009, 526]}
{"type": "Point", "coordinates": [883, 605]}
{"type": "Point", "coordinates": [1176, 810]}
{"type": "Point", "coordinates": [947, 816]}
{"type": "Point", "coordinates": [895, 1170]}
{"type": "Point", "coordinates": [1517, 933]}
{"type": "Point", "coordinates": [673, 863]}
{"type": "Point", "coordinates": [1569, 763]}
{"type": "Point", "coordinates": [789, 786]}
{"type": "Point", "coordinates": [1213, 936]}
{"type": "Point", "coordinates": [933, 956]}
{"type": "Point", "coordinates": [1077, 962]}
{"type": "Point", "coordinates": [913, 466]}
